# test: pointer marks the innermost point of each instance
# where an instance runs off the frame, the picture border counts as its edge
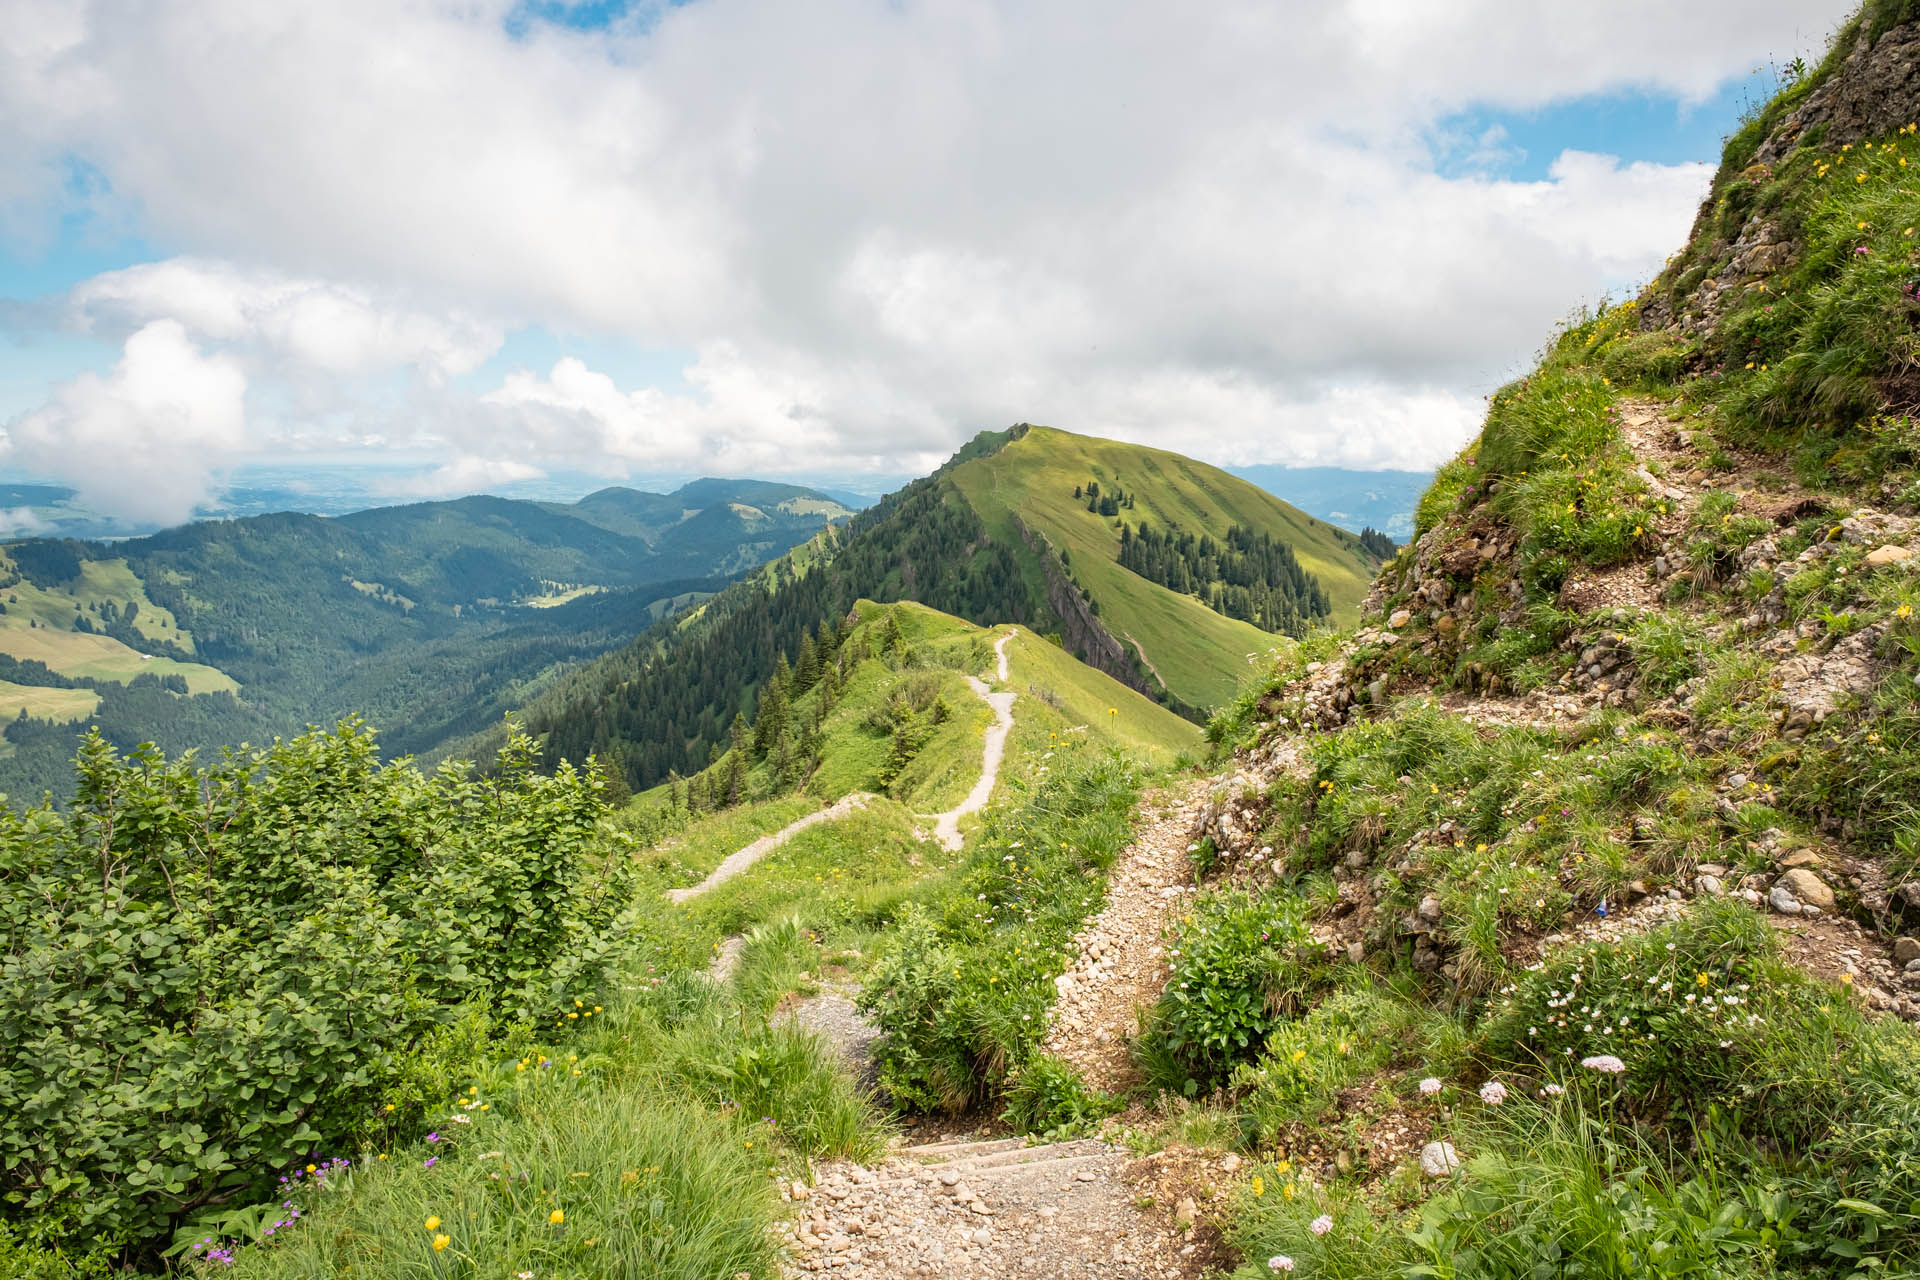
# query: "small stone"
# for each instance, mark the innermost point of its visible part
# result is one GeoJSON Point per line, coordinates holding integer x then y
{"type": "Point", "coordinates": [983, 1237]}
{"type": "Point", "coordinates": [1183, 1213]}
{"type": "Point", "coordinates": [980, 1207]}
{"type": "Point", "coordinates": [1906, 950]}
{"type": "Point", "coordinates": [1709, 886]}
{"type": "Point", "coordinates": [799, 1191]}
{"type": "Point", "coordinates": [1439, 1159]}
{"type": "Point", "coordinates": [1809, 888]}
{"type": "Point", "coordinates": [1799, 858]}
{"type": "Point", "coordinates": [1445, 624]}
{"type": "Point", "coordinates": [1085, 1175]}
{"type": "Point", "coordinates": [1429, 908]}
{"type": "Point", "coordinates": [1230, 1163]}
{"type": "Point", "coordinates": [949, 1177]}
{"type": "Point", "coordinates": [1889, 554]}
{"type": "Point", "coordinates": [1356, 951]}
{"type": "Point", "coordinates": [1781, 899]}
{"type": "Point", "coordinates": [1400, 618]}
{"type": "Point", "coordinates": [1736, 780]}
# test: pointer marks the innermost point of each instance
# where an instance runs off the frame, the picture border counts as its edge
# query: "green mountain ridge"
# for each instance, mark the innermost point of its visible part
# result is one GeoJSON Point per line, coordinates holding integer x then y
{"type": "Point", "coordinates": [994, 535]}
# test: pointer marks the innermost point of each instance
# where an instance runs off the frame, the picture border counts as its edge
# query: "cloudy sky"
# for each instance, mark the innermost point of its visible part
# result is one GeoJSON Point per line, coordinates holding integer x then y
{"type": "Point", "coordinates": [495, 240]}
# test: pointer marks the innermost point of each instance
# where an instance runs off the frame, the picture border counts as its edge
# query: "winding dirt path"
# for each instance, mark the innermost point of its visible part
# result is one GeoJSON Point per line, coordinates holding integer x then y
{"type": "Point", "coordinates": [947, 829]}
{"type": "Point", "coordinates": [947, 826]}
{"type": "Point", "coordinates": [741, 859]}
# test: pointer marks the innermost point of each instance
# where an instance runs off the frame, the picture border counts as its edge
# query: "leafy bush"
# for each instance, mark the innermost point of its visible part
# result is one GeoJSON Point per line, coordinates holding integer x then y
{"type": "Point", "coordinates": [209, 974]}
{"type": "Point", "coordinates": [1240, 963]}
{"type": "Point", "coordinates": [1047, 1096]}
{"type": "Point", "coordinates": [1701, 1013]}
{"type": "Point", "coordinates": [963, 987]}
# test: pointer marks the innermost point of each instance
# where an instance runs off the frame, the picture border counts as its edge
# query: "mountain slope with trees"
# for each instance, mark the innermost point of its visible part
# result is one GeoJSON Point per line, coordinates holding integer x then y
{"type": "Point", "coordinates": [431, 620]}
{"type": "Point", "coordinates": [994, 535]}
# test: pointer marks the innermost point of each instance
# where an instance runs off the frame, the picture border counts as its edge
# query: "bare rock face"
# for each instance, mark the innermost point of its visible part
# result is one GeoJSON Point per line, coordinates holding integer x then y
{"type": "Point", "coordinates": [1871, 94]}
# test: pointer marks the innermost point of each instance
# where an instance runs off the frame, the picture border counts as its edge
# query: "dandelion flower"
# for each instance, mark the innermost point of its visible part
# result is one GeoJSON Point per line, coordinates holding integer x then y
{"type": "Point", "coordinates": [1493, 1093]}
{"type": "Point", "coordinates": [1321, 1225]}
{"type": "Point", "coordinates": [1430, 1086]}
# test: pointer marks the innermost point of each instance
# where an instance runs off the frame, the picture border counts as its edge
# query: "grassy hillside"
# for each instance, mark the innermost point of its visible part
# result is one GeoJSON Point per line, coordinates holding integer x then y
{"type": "Point", "coordinates": [1197, 653]}
{"type": "Point", "coordinates": [871, 725]}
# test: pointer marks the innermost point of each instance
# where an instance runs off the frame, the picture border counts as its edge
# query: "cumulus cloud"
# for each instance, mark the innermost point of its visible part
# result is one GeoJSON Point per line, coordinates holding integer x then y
{"type": "Point", "coordinates": [142, 441]}
{"type": "Point", "coordinates": [468, 475]}
{"type": "Point", "coordinates": [877, 228]}
{"type": "Point", "coordinates": [322, 325]}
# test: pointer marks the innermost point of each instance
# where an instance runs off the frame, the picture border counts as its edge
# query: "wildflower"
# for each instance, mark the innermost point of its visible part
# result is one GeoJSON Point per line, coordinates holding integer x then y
{"type": "Point", "coordinates": [556, 1217]}
{"type": "Point", "coordinates": [1552, 1091]}
{"type": "Point", "coordinates": [1904, 611]}
{"type": "Point", "coordinates": [440, 1242]}
{"type": "Point", "coordinates": [1604, 1062]}
{"type": "Point", "coordinates": [309, 1168]}
{"type": "Point", "coordinates": [431, 1224]}
{"type": "Point", "coordinates": [1258, 1185]}
{"type": "Point", "coordinates": [1701, 980]}
{"type": "Point", "coordinates": [1493, 1093]}
{"type": "Point", "coordinates": [1430, 1086]}
{"type": "Point", "coordinates": [432, 1137]}
{"type": "Point", "coordinates": [1321, 1225]}
{"type": "Point", "coordinates": [430, 1162]}
{"type": "Point", "coordinates": [1279, 1262]}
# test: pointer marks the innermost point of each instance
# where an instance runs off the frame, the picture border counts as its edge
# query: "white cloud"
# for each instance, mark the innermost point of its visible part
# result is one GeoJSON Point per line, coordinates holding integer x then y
{"type": "Point", "coordinates": [469, 475]}
{"type": "Point", "coordinates": [878, 228]}
{"type": "Point", "coordinates": [320, 325]}
{"type": "Point", "coordinates": [142, 441]}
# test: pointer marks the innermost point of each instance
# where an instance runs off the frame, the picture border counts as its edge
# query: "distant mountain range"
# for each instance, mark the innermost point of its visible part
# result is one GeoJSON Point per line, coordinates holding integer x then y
{"type": "Point", "coordinates": [430, 619]}
{"type": "Point", "coordinates": [1354, 500]}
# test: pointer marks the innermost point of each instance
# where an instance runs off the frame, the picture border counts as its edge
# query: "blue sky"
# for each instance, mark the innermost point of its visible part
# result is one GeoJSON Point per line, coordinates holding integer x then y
{"type": "Point", "coordinates": [530, 239]}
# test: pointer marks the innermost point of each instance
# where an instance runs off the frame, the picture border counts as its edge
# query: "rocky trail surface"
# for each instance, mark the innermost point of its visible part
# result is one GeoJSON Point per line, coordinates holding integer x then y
{"type": "Point", "coordinates": [1001, 1209]}
{"type": "Point", "coordinates": [1120, 965]}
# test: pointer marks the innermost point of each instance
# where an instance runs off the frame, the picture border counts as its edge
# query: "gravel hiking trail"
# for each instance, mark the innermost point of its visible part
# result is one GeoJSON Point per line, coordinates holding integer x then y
{"type": "Point", "coordinates": [947, 825]}
{"type": "Point", "coordinates": [999, 1209]}
{"type": "Point", "coordinates": [1120, 964]}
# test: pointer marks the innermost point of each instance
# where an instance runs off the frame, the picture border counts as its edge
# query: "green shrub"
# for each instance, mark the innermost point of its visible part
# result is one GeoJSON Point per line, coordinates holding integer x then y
{"type": "Point", "coordinates": [209, 974]}
{"type": "Point", "coordinates": [1240, 963]}
{"type": "Point", "coordinates": [1701, 1013]}
{"type": "Point", "coordinates": [962, 989]}
{"type": "Point", "coordinates": [1047, 1096]}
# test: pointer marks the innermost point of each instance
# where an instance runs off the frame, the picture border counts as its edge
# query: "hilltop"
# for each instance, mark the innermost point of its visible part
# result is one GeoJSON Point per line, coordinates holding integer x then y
{"type": "Point", "coordinates": [1165, 573]}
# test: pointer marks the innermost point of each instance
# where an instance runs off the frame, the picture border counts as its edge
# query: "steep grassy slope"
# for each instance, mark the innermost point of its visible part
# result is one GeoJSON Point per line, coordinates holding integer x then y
{"type": "Point", "coordinates": [1597, 844]}
{"type": "Point", "coordinates": [1195, 652]}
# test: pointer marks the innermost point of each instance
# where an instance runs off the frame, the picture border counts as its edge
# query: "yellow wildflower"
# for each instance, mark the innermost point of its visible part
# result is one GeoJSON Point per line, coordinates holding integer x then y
{"type": "Point", "coordinates": [440, 1242]}
{"type": "Point", "coordinates": [1259, 1187]}
{"type": "Point", "coordinates": [556, 1217]}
